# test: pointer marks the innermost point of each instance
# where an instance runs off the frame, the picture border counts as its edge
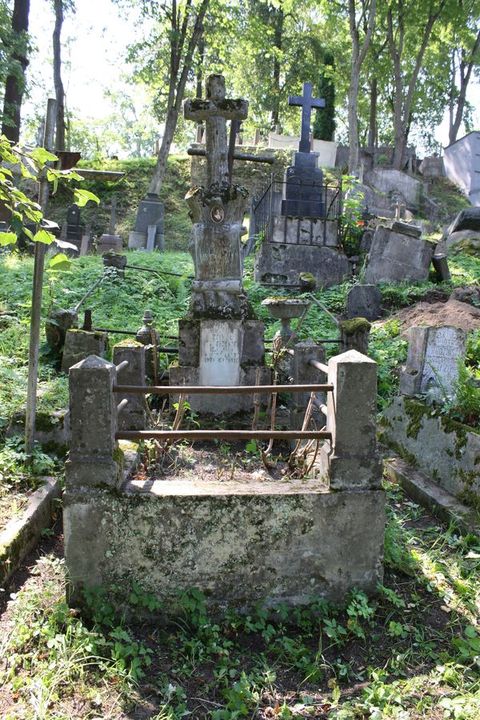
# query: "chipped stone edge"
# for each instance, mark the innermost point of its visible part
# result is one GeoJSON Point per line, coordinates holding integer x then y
{"type": "Point", "coordinates": [431, 496]}
{"type": "Point", "coordinates": [22, 534]}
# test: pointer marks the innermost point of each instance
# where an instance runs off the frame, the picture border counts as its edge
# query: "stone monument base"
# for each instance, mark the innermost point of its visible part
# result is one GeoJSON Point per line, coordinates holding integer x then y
{"type": "Point", "coordinates": [282, 263]}
{"type": "Point", "coordinates": [220, 352]}
{"type": "Point", "coordinates": [240, 543]}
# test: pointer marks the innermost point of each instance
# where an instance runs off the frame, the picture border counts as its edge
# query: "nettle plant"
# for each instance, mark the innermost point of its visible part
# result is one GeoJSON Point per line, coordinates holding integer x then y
{"type": "Point", "coordinates": [22, 164]}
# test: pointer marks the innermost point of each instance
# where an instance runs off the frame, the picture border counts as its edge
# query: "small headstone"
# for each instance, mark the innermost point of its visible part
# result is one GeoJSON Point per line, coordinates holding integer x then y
{"type": "Point", "coordinates": [84, 245]}
{"type": "Point", "coordinates": [432, 361]}
{"type": "Point", "coordinates": [74, 225]}
{"type": "Point", "coordinates": [440, 264]}
{"type": "Point", "coordinates": [79, 344]}
{"type": "Point", "coordinates": [151, 232]}
{"type": "Point", "coordinates": [364, 301]}
{"type": "Point", "coordinates": [150, 212]}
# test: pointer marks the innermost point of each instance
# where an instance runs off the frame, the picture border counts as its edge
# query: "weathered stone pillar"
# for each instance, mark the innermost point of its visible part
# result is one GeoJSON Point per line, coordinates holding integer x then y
{"type": "Point", "coordinates": [95, 458]}
{"type": "Point", "coordinates": [354, 334]}
{"type": "Point", "coordinates": [354, 462]}
{"type": "Point", "coordinates": [80, 344]}
{"type": "Point", "coordinates": [303, 374]}
{"type": "Point", "coordinates": [133, 416]}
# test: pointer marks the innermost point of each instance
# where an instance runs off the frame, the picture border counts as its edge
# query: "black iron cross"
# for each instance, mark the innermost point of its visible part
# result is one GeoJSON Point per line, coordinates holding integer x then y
{"type": "Point", "coordinates": [306, 102]}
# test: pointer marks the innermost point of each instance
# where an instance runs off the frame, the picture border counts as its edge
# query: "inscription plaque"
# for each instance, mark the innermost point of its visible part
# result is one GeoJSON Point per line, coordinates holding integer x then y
{"type": "Point", "coordinates": [220, 352]}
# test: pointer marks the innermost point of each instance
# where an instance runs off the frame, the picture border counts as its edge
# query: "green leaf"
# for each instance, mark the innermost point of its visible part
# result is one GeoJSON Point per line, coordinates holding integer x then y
{"type": "Point", "coordinates": [41, 156]}
{"type": "Point", "coordinates": [44, 237]}
{"type": "Point", "coordinates": [7, 238]}
{"type": "Point", "coordinates": [81, 197]}
{"type": "Point", "coordinates": [59, 262]}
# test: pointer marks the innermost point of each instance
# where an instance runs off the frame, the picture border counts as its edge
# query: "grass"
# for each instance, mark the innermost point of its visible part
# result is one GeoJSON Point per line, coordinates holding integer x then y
{"type": "Point", "coordinates": [412, 652]}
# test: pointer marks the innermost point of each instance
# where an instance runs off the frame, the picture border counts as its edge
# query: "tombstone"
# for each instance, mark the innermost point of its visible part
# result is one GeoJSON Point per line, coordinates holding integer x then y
{"type": "Point", "coordinates": [398, 254]}
{"type": "Point", "coordinates": [225, 346]}
{"type": "Point", "coordinates": [150, 212]}
{"type": "Point", "coordinates": [433, 354]}
{"type": "Point", "coordinates": [364, 301]}
{"type": "Point", "coordinates": [74, 229]}
{"type": "Point", "coordinates": [109, 243]}
{"type": "Point", "coordinates": [303, 235]}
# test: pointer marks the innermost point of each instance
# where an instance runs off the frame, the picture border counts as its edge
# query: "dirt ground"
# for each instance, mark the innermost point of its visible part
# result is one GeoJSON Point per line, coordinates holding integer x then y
{"type": "Point", "coordinates": [453, 312]}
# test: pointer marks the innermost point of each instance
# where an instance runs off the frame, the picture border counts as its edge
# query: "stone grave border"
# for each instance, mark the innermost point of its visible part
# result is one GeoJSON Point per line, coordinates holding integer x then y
{"type": "Point", "coordinates": [98, 502]}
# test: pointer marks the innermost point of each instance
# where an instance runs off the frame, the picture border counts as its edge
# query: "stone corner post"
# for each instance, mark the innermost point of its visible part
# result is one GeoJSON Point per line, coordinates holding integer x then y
{"type": "Point", "coordinates": [351, 418]}
{"type": "Point", "coordinates": [133, 415]}
{"type": "Point", "coordinates": [95, 459]}
{"type": "Point", "coordinates": [304, 373]}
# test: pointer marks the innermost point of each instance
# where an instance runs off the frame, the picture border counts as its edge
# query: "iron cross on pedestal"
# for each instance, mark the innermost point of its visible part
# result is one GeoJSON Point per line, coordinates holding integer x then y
{"type": "Point", "coordinates": [306, 102]}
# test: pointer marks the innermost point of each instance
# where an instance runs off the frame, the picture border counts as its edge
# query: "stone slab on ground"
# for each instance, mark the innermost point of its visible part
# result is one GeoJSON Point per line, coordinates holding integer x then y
{"type": "Point", "coordinates": [22, 534]}
{"type": "Point", "coordinates": [427, 493]}
{"type": "Point", "coordinates": [396, 257]}
{"type": "Point", "coordinates": [281, 264]}
{"type": "Point", "coordinates": [445, 450]}
{"type": "Point", "coordinates": [239, 543]}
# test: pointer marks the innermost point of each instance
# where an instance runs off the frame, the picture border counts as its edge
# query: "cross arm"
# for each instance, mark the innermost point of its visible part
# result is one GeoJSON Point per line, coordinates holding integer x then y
{"type": "Point", "coordinates": [199, 109]}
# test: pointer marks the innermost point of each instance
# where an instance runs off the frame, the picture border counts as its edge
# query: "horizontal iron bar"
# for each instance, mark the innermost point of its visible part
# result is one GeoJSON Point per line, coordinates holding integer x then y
{"type": "Point", "coordinates": [318, 365]}
{"type": "Point", "coordinates": [223, 434]}
{"type": "Point", "coordinates": [217, 389]}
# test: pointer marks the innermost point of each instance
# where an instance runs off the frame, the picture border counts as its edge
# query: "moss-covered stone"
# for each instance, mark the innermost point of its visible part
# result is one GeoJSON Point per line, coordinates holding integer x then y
{"type": "Point", "coordinates": [415, 411]}
{"type": "Point", "coordinates": [354, 325]}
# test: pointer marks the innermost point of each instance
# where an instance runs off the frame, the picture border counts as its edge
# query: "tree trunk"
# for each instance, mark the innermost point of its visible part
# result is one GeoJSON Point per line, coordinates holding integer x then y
{"type": "Point", "coordinates": [353, 143]}
{"type": "Point", "coordinates": [159, 172]}
{"type": "Point", "coordinates": [466, 68]}
{"type": "Point", "coordinates": [15, 83]}
{"type": "Point", "coordinates": [57, 77]}
{"type": "Point", "coordinates": [277, 43]}
{"type": "Point", "coordinates": [178, 79]}
{"type": "Point", "coordinates": [358, 56]}
{"type": "Point", "coordinates": [372, 124]}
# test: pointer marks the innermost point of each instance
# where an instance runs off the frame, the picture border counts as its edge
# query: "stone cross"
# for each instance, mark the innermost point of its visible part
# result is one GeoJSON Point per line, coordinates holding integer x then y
{"type": "Point", "coordinates": [215, 111]}
{"type": "Point", "coordinates": [306, 102]}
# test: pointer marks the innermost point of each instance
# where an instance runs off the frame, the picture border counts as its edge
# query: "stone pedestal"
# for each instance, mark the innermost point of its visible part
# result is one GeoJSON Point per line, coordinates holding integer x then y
{"type": "Point", "coordinates": [133, 416]}
{"type": "Point", "coordinates": [281, 264]}
{"type": "Point", "coordinates": [109, 243]}
{"type": "Point", "coordinates": [79, 344]}
{"type": "Point", "coordinates": [220, 352]}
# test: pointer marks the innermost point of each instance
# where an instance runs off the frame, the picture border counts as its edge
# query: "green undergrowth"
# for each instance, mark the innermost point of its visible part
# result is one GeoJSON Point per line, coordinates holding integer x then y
{"type": "Point", "coordinates": [411, 652]}
{"type": "Point", "coordinates": [129, 190]}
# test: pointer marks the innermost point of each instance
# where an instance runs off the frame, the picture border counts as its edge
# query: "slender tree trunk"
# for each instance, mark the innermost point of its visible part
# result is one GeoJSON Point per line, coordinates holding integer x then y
{"type": "Point", "coordinates": [15, 83]}
{"type": "Point", "coordinates": [178, 80]}
{"type": "Point", "coordinates": [57, 77]}
{"type": "Point", "coordinates": [372, 124]}
{"type": "Point", "coordinates": [466, 68]}
{"type": "Point", "coordinates": [162, 157]}
{"type": "Point", "coordinates": [277, 43]}
{"type": "Point", "coordinates": [359, 53]}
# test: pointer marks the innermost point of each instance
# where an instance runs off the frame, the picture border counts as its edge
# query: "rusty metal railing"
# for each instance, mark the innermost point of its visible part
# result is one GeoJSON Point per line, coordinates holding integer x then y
{"type": "Point", "coordinates": [184, 390]}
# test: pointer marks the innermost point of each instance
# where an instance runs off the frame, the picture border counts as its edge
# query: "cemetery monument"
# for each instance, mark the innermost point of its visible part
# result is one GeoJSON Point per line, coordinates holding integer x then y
{"type": "Point", "coordinates": [220, 341]}
{"type": "Point", "coordinates": [301, 233]}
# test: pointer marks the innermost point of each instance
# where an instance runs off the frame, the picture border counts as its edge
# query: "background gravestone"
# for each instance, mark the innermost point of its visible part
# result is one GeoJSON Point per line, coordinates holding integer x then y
{"type": "Point", "coordinates": [432, 360]}
{"type": "Point", "coordinates": [364, 301]}
{"type": "Point", "coordinates": [398, 254]}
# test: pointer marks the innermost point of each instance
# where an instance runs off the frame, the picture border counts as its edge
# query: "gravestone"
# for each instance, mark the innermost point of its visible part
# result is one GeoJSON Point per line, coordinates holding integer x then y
{"type": "Point", "coordinates": [74, 231]}
{"type": "Point", "coordinates": [364, 301]}
{"type": "Point", "coordinates": [397, 254]}
{"type": "Point", "coordinates": [433, 355]}
{"type": "Point", "coordinates": [150, 213]}
{"type": "Point", "coordinates": [303, 235]}
{"type": "Point", "coordinates": [79, 344]}
{"type": "Point", "coordinates": [219, 341]}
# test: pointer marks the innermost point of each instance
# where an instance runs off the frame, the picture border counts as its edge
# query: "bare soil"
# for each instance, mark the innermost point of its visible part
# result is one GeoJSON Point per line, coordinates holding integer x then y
{"type": "Point", "coordinates": [453, 312]}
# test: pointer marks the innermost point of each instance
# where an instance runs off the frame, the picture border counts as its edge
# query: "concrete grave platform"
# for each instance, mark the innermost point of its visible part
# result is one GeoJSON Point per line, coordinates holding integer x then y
{"type": "Point", "coordinates": [238, 543]}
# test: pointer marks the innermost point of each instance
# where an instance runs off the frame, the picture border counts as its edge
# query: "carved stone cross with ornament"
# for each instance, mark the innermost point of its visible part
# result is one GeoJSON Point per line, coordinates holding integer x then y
{"type": "Point", "coordinates": [217, 210]}
{"type": "Point", "coordinates": [215, 110]}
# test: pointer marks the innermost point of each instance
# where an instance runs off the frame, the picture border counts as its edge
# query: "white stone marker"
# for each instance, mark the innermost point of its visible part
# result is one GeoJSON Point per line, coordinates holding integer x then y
{"type": "Point", "coordinates": [220, 352]}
